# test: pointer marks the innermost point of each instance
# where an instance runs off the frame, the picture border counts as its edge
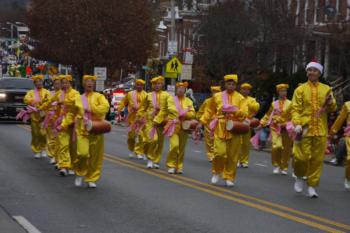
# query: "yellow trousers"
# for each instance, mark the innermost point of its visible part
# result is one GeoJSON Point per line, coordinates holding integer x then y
{"type": "Point", "coordinates": [308, 159]}
{"type": "Point", "coordinates": [175, 158]}
{"type": "Point", "coordinates": [38, 137]}
{"type": "Point", "coordinates": [281, 150]}
{"type": "Point", "coordinates": [347, 162]}
{"type": "Point", "coordinates": [90, 152]}
{"type": "Point", "coordinates": [51, 143]}
{"type": "Point", "coordinates": [245, 148]}
{"type": "Point", "coordinates": [209, 143]}
{"type": "Point", "coordinates": [155, 147]}
{"type": "Point", "coordinates": [66, 152]}
{"type": "Point", "coordinates": [226, 153]}
{"type": "Point", "coordinates": [135, 146]}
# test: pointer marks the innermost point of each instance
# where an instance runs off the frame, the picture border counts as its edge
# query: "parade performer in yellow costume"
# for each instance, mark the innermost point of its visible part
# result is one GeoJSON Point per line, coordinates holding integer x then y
{"type": "Point", "coordinates": [153, 111]}
{"type": "Point", "coordinates": [173, 129]}
{"type": "Point", "coordinates": [253, 108]}
{"type": "Point", "coordinates": [133, 100]}
{"type": "Point", "coordinates": [276, 118]}
{"type": "Point", "coordinates": [66, 147]}
{"type": "Point", "coordinates": [35, 100]}
{"type": "Point", "coordinates": [227, 105]}
{"type": "Point", "coordinates": [344, 117]}
{"type": "Point", "coordinates": [209, 141]}
{"type": "Point", "coordinates": [91, 106]}
{"type": "Point", "coordinates": [312, 101]}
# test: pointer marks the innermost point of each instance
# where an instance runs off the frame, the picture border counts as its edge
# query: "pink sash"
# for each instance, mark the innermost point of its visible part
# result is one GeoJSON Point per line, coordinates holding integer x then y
{"type": "Point", "coordinates": [227, 108]}
{"type": "Point", "coordinates": [61, 116]}
{"type": "Point", "coordinates": [87, 111]}
{"type": "Point", "coordinates": [347, 131]}
{"type": "Point", "coordinates": [134, 109]}
{"type": "Point", "coordinates": [155, 112]}
{"type": "Point", "coordinates": [275, 111]}
{"type": "Point", "coordinates": [37, 97]}
{"type": "Point", "coordinates": [24, 114]}
{"type": "Point", "coordinates": [255, 140]}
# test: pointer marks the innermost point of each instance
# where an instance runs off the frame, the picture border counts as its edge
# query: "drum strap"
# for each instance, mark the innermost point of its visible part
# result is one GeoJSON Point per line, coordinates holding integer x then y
{"type": "Point", "coordinates": [37, 96]}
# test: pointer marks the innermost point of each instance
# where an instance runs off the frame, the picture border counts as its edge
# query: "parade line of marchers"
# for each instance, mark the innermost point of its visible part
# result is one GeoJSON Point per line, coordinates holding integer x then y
{"type": "Point", "coordinates": [69, 127]}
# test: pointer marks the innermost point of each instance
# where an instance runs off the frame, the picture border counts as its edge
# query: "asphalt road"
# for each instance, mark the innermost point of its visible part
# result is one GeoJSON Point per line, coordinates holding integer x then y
{"type": "Point", "coordinates": [132, 199]}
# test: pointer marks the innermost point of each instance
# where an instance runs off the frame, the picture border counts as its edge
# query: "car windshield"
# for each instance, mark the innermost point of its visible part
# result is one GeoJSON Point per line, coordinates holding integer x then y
{"type": "Point", "coordinates": [16, 84]}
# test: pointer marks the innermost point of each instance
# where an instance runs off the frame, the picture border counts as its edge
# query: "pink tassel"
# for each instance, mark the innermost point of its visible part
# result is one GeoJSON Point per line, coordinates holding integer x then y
{"type": "Point", "coordinates": [212, 126]}
{"type": "Point", "coordinates": [153, 132]}
{"type": "Point", "coordinates": [170, 129]}
{"type": "Point", "coordinates": [255, 140]}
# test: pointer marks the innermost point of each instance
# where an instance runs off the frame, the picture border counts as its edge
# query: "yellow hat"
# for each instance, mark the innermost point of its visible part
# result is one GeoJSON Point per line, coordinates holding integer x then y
{"type": "Point", "coordinates": [37, 77]}
{"type": "Point", "coordinates": [140, 81]}
{"type": "Point", "coordinates": [181, 84]}
{"type": "Point", "coordinates": [91, 77]}
{"type": "Point", "coordinates": [55, 77]}
{"type": "Point", "coordinates": [156, 79]}
{"type": "Point", "coordinates": [215, 88]}
{"type": "Point", "coordinates": [246, 85]}
{"type": "Point", "coordinates": [66, 77]}
{"type": "Point", "coordinates": [282, 86]}
{"type": "Point", "coordinates": [231, 77]}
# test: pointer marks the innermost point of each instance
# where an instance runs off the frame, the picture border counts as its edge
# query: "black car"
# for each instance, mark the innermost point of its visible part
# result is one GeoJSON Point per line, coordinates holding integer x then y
{"type": "Point", "coordinates": [12, 92]}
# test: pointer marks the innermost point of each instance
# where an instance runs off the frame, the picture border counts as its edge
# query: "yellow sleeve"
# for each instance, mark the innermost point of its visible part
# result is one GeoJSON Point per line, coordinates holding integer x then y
{"type": "Point", "coordinates": [297, 106]}
{"type": "Point", "coordinates": [167, 110]}
{"type": "Point", "coordinates": [202, 109]}
{"type": "Point", "coordinates": [264, 121]}
{"type": "Point", "coordinates": [191, 113]}
{"type": "Point", "coordinates": [29, 98]}
{"type": "Point", "coordinates": [340, 120]}
{"type": "Point", "coordinates": [253, 107]}
{"type": "Point", "coordinates": [142, 111]}
{"type": "Point", "coordinates": [70, 115]}
{"type": "Point", "coordinates": [333, 106]}
{"type": "Point", "coordinates": [242, 113]}
{"type": "Point", "coordinates": [45, 103]}
{"type": "Point", "coordinates": [209, 112]}
{"type": "Point", "coordinates": [100, 106]}
{"type": "Point", "coordinates": [124, 102]}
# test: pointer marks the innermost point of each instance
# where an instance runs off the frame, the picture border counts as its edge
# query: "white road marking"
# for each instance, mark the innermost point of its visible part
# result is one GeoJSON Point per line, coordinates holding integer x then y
{"type": "Point", "coordinates": [26, 224]}
{"type": "Point", "coordinates": [260, 165]}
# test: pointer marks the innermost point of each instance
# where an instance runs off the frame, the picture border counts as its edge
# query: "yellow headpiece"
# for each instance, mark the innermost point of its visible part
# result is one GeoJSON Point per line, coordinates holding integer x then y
{"type": "Point", "coordinates": [215, 88]}
{"type": "Point", "coordinates": [91, 77]}
{"type": "Point", "coordinates": [140, 81]}
{"type": "Point", "coordinates": [246, 85]}
{"type": "Point", "coordinates": [54, 78]}
{"type": "Point", "coordinates": [231, 77]}
{"type": "Point", "coordinates": [37, 77]}
{"type": "Point", "coordinates": [156, 79]}
{"type": "Point", "coordinates": [66, 77]}
{"type": "Point", "coordinates": [182, 84]}
{"type": "Point", "coordinates": [282, 86]}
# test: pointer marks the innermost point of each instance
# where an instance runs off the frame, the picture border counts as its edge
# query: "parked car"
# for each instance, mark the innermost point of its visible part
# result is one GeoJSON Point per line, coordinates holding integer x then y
{"type": "Point", "coordinates": [12, 92]}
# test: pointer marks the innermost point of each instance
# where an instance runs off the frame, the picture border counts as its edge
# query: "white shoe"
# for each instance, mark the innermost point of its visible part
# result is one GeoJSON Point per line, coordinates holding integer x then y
{"type": "Point", "coordinates": [171, 170]}
{"type": "Point", "coordinates": [238, 165]}
{"type": "Point", "coordinates": [52, 161]}
{"type": "Point", "coordinates": [131, 155]}
{"type": "Point", "coordinates": [71, 172]}
{"type": "Point", "coordinates": [37, 156]}
{"type": "Point", "coordinates": [156, 165]}
{"type": "Point", "coordinates": [144, 157]}
{"type": "Point", "coordinates": [139, 157]}
{"type": "Point", "coordinates": [276, 170]}
{"type": "Point", "coordinates": [215, 179]}
{"type": "Point", "coordinates": [284, 172]}
{"type": "Point", "coordinates": [311, 192]}
{"type": "Point", "coordinates": [179, 171]}
{"type": "Point", "coordinates": [92, 185]}
{"type": "Point", "coordinates": [150, 164]}
{"type": "Point", "coordinates": [294, 176]}
{"type": "Point", "coordinates": [304, 177]}
{"type": "Point", "coordinates": [63, 172]}
{"type": "Point", "coordinates": [78, 181]}
{"type": "Point", "coordinates": [347, 184]}
{"type": "Point", "coordinates": [244, 165]}
{"type": "Point", "coordinates": [298, 185]}
{"type": "Point", "coordinates": [43, 154]}
{"type": "Point", "coordinates": [229, 183]}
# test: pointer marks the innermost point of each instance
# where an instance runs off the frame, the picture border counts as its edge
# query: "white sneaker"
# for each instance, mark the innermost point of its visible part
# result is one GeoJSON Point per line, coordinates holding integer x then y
{"type": "Point", "coordinates": [179, 171]}
{"type": "Point", "coordinates": [284, 172]}
{"type": "Point", "coordinates": [215, 179]}
{"type": "Point", "coordinates": [156, 165]}
{"type": "Point", "coordinates": [244, 165]}
{"type": "Point", "coordinates": [139, 157]}
{"type": "Point", "coordinates": [333, 161]}
{"type": "Point", "coordinates": [150, 164]}
{"type": "Point", "coordinates": [131, 155]}
{"type": "Point", "coordinates": [78, 181]}
{"type": "Point", "coordinates": [229, 183]}
{"type": "Point", "coordinates": [52, 161]}
{"type": "Point", "coordinates": [43, 154]}
{"type": "Point", "coordinates": [37, 156]}
{"type": "Point", "coordinates": [294, 176]}
{"type": "Point", "coordinates": [311, 192]}
{"type": "Point", "coordinates": [71, 172]}
{"type": "Point", "coordinates": [347, 184]}
{"type": "Point", "coordinates": [304, 177]}
{"type": "Point", "coordinates": [238, 165]}
{"type": "Point", "coordinates": [276, 170]}
{"type": "Point", "coordinates": [63, 172]}
{"type": "Point", "coordinates": [92, 185]}
{"type": "Point", "coordinates": [298, 185]}
{"type": "Point", "coordinates": [171, 170]}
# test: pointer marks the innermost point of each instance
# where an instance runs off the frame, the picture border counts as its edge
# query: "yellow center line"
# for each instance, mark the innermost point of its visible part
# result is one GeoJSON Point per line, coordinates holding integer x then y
{"type": "Point", "coordinates": [275, 205]}
{"type": "Point", "coordinates": [231, 198]}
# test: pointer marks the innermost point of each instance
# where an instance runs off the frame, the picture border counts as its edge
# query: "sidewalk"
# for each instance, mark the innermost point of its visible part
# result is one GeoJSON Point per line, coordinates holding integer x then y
{"type": "Point", "coordinates": [8, 224]}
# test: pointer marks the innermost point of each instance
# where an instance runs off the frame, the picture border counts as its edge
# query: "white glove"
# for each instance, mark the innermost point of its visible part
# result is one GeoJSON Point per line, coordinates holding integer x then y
{"type": "Point", "coordinates": [298, 129]}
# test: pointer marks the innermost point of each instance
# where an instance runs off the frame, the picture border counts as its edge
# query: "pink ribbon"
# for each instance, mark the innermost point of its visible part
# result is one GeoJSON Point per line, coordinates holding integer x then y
{"type": "Point", "coordinates": [347, 131]}
{"type": "Point", "coordinates": [227, 108]}
{"type": "Point", "coordinates": [37, 97]}
{"type": "Point", "coordinates": [155, 104]}
{"type": "Point", "coordinates": [49, 116]}
{"type": "Point", "coordinates": [153, 132]}
{"type": "Point", "coordinates": [87, 111]}
{"type": "Point", "coordinates": [169, 130]}
{"type": "Point", "coordinates": [25, 113]}
{"type": "Point", "coordinates": [134, 108]}
{"type": "Point", "coordinates": [212, 126]}
{"type": "Point", "coordinates": [255, 140]}
{"type": "Point", "coordinates": [291, 130]}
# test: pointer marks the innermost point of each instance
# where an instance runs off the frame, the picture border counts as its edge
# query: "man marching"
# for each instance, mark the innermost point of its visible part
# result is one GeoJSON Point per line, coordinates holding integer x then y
{"type": "Point", "coordinates": [133, 100]}
{"type": "Point", "coordinates": [209, 141]}
{"type": "Point", "coordinates": [91, 106]}
{"type": "Point", "coordinates": [311, 104]}
{"type": "Point", "coordinates": [227, 105]}
{"type": "Point", "coordinates": [253, 108]}
{"type": "Point", "coordinates": [153, 111]}
{"type": "Point", "coordinates": [35, 100]}
{"type": "Point", "coordinates": [276, 118]}
{"type": "Point", "coordinates": [173, 129]}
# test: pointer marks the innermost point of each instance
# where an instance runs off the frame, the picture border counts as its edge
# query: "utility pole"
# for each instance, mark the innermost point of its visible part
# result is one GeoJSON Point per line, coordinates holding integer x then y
{"type": "Point", "coordinates": [172, 34]}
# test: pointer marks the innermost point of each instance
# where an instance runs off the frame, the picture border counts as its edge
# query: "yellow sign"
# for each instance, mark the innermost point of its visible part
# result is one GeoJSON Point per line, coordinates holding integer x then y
{"type": "Point", "coordinates": [174, 66]}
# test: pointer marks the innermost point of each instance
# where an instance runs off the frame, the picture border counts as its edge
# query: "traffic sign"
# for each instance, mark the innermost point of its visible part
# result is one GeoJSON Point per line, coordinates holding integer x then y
{"type": "Point", "coordinates": [174, 66]}
{"type": "Point", "coordinates": [100, 85]}
{"type": "Point", "coordinates": [101, 73]}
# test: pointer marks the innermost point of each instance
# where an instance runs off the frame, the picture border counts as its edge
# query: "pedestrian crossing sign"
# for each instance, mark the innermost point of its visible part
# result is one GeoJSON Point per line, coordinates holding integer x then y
{"type": "Point", "coordinates": [174, 66]}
